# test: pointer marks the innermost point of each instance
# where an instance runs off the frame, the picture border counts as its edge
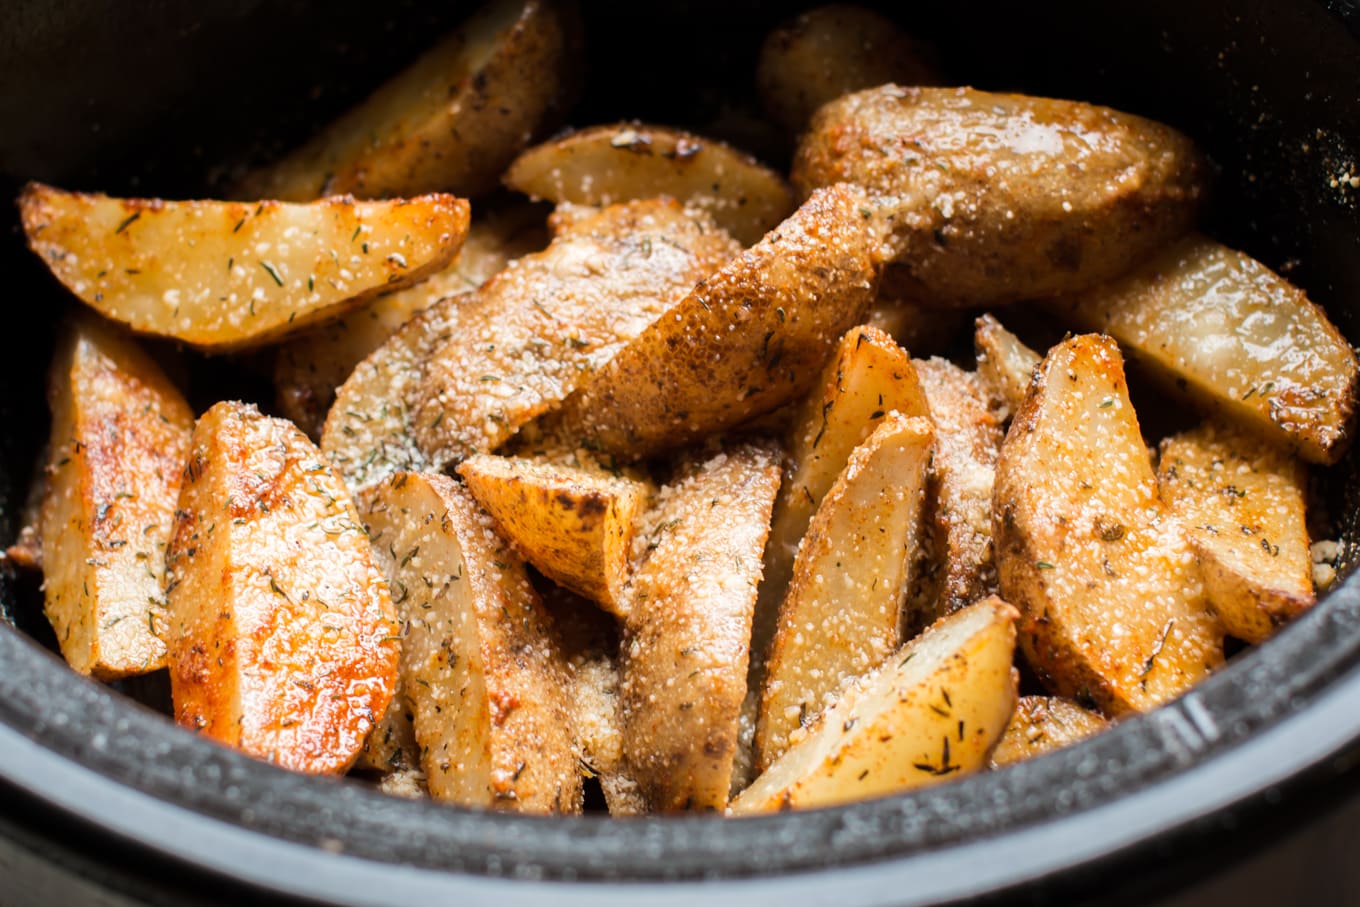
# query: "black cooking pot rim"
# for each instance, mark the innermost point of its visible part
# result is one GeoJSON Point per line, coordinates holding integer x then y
{"type": "Point", "coordinates": [1236, 739]}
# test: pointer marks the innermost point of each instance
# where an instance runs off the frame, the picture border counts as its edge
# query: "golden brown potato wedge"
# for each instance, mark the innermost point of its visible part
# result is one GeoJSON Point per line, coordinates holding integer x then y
{"type": "Point", "coordinates": [538, 329]}
{"type": "Point", "coordinates": [1042, 724]}
{"type": "Point", "coordinates": [229, 275]}
{"type": "Point", "coordinates": [1241, 503]}
{"type": "Point", "coordinates": [574, 525]}
{"type": "Point", "coordinates": [452, 120]}
{"type": "Point", "coordinates": [119, 439]}
{"type": "Point", "coordinates": [620, 162]}
{"type": "Point", "coordinates": [994, 198]}
{"type": "Point", "coordinates": [1114, 611]}
{"type": "Point", "coordinates": [480, 665]}
{"type": "Point", "coordinates": [1004, 363]}
{"type": "Point", "coordinates": [831, 51]}
{"type": "Point", "coordinates": [869, 377]}
{"type": "Point", "coordinates": [750, 338]}
{"type": "Point", "coordinates": [933, 711]}
{"type": "Point", "coordinates": [282, 637]}
{"type": "Point", "coordinates": [841, 616]}
{"type": "Point", "coordinates": [391, 748]}
{"type": "Point", "coordinates": [369, 433]}
{"type": "Point", "coordinates": [1237, 338]}
{"type": "Point", "coordinates": [309, 368]}
{"type": "Point", "coordinates": [967, 442]}
{"type": "Point", "coordinates": [686, 641]}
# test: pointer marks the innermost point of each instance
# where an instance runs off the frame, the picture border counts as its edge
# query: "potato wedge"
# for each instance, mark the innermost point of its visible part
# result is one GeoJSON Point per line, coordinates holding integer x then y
{"type": "Point", "coordinates": [749, 339]}
{"type": "Point", "coordinates": [967, 442]}
{"type": "Point", "coordinates": [841, 616]}
{"type": "Point", "coordinates": [1236, 337]}
{"type": "Point", "coordinates": [1042, 724]}
{"type": "Point", "coordinates": [574, 525]}
{"type": "Point", "coordinates": [480, 664]}
{"type": "Point", "coordinates": [620, 162]}
{"type": "Point", "coordinates": [1113, 608]}
{"type": "Point", "coordinates": [230, 275]}
{"type": "Point", "coordinates": [118, 443]}
{"type": "Point", "coordinates": [994, 198]}
{"type": "Point", "coordinates": [538, 329]}
{"type": "Point", "coordinates": [921, 329]}
{"type": "Point", "coordinates": [369, 433]}
{"type": "Point", "coordinates": [686, 641]}
{"type": "Point", "coordinates": [309, 368]}
{"type": "Point", "coordinates": [1241, 503]}
{"type": "Point", "coordinates": [391, 748]}
{"type": "Point", "coordinates": [869, 377]}
{"type": "Point", "coordinates": [831, 51]}
{"type": "Point", "coordinates": [282, 637]}
{"type": "Point", "coordinates": [452, 120]}
{"type": "Point", "coordinates": [1004, 364]}
{"type": "Point", "coordinates": [932, 712]}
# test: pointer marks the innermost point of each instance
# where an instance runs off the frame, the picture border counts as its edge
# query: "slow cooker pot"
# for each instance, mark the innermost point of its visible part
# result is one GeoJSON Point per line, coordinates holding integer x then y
{"type": "Point", "coordinates": [102, 801]}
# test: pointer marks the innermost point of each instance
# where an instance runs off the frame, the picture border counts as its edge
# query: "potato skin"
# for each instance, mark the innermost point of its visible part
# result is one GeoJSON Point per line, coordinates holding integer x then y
{"type": "Point", "coordinates": [994, 198]}
{"type": "Point", "coordinates": [120, 434]}
{"type": "Point", "coordinates": [282, 635]}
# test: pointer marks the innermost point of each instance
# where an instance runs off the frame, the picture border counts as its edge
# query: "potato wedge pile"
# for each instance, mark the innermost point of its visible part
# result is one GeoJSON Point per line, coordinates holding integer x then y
{"type": "Point", "coordinates": [679, 495]}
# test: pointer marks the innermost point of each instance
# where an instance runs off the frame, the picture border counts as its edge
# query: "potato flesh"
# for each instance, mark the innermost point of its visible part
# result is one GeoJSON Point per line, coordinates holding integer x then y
{"type": "Point", "coordinates": [479, 666]}
{"type": "Point", "coordinates": [452, 120]}
{"type": "Point", "coordinates": [1004, 363]}
{"type": "Point", "coordinates": [994, 198]}
{"type": "Point", "coordinates": [1113, 608]}
{"type": "Point", "coordinates": [686, 641]}
{"type": "Point", "coordinates": [605, 165]}
{"type": "Point", "coordinates": [119, 438]}
{"type": "Point", "coordinates": [967, 442]}
{"type": "Point", "coordinates": [369, 433]}
{"type": "Point", "coordinates": [842, 612]}
{"type": "Point", "coordinates": [282, 636]}
{"type": "Point", "coordinates": [308, 369]}
{"type": "Point", "coordinates": [932, 712]}
{"type": "Point", "coordinates": [868, 377]}
{"type": "Point", "coordinates": [831, 51]}
{"type": "Point", "coordinates": [575, 526]}
{"type": "Point", "coordinates": [540, 328]}
{"type": "Point", "coordinates": [1239, 338]}
{"type": "Point", "coordinates": [229, 275]}
{"type": "Point", "coordinates": [1042, 724]}
{"type": "Point", "coordinates": [1241, 503]}
{"type": "Point", "coordinates": [751, 337]}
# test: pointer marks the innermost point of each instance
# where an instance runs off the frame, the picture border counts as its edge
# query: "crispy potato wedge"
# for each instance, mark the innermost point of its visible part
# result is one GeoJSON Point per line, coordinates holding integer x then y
{"type": "Point", "coordinates": [480, 664]}
{"type": "Point", "coordinates": [1004, 363]}
{"type": "Point", "coordinates": [994, 198]}
{"type": "Point", "coordinates": [309, 368]}
{"type": "Point", "coordinates": [452, 120]}
{"type": "Point", "coordinates": [369, 433]}
{"type": "Point", "coordinates": [1042, 724]}
{"type": "Point", "coordinates": [1238, 338]}
{"type": "Point", "coordinates": [282, 638]}
{"type": "Point", "coordinates": [574, 525]}
{"type": "Point", "coordinates": [230, 275]}
{"type": "Point", "coordinates": [542, 326]}
{"type": "Point", "coordinates": [118, 443]}
{"type": "Point", "coordinates": [868, 377]}
{"type": "Point", "coordinates": [749, 338]}
{"type": "Point", "coordinates": [831, 51]}
{"type": "Point", "coordinates": [1114, 610]}
{"type": "Point", "coordinates": [933, 711]}
{"type": "Point", "coordinates": [967, 442]}
{"type": "Point", "coordinates": [841, 616]}
{"type": "Point", "coordinates": [686, 641]}
{"type": "Point", "coordinates": [391, 748]}
{"type": "Point", "coordinates": [620, 162]}
{"type": "Point", "coordinates": [1241, 503]}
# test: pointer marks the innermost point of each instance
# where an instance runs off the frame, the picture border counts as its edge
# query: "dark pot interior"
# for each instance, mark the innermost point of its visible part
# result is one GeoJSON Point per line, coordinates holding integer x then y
{"type": "Point", "coordinates": [156, 99]}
